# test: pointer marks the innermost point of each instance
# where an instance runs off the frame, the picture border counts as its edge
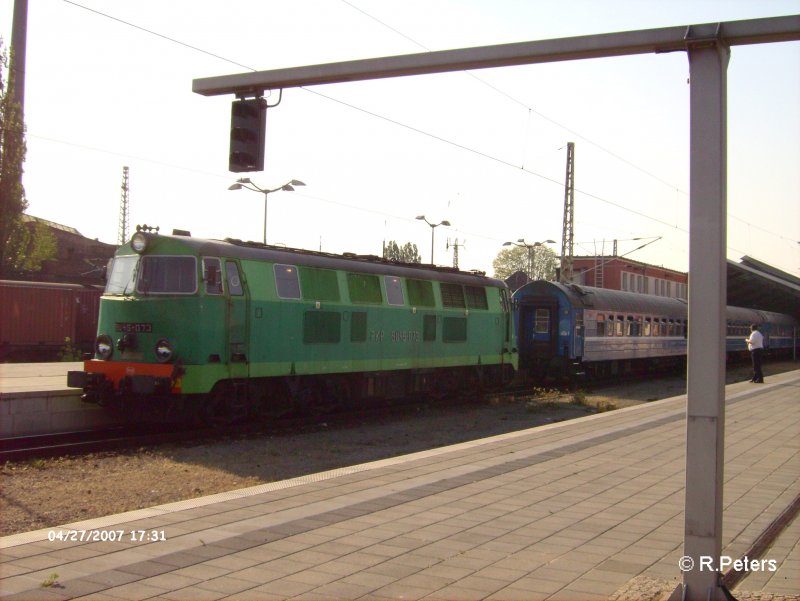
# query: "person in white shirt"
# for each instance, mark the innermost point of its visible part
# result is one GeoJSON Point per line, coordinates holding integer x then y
{"type": "Point", "coordinates": [755, 344]}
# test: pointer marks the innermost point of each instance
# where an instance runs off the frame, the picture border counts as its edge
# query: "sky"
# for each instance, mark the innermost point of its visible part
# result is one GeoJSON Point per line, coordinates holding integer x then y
{"type": "Point", "coordinates": [109, 84]}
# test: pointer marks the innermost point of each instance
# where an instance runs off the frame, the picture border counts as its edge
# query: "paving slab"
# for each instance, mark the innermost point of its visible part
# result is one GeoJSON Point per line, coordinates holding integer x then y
{"type": "Point", "coordinates": [573, 510]}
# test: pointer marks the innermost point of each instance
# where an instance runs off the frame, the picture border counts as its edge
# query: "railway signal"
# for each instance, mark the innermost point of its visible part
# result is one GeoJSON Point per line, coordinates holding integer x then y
{"type": "Point", "coordinates": [248, 130]}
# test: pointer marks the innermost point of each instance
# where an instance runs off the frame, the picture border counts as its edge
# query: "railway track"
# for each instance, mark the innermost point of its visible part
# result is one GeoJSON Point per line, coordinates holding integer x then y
{"type": "Point", "coordinates": [20, 448]}
{"type": "Point", "coordinates": [42, 446]}
{"type": "Point", "coordinates": [135, 436]}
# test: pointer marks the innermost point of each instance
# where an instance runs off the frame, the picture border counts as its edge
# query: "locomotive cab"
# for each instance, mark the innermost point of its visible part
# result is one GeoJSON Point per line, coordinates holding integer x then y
{"type": "Point", "coordinates": [164, 310]}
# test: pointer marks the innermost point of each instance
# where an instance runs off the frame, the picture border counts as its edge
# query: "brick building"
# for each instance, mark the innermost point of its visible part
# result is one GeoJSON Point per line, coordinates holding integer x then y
{"type": "Point", "coordinates": [621, 273]}
{"type": "Point", "coordinates": [79, 260]}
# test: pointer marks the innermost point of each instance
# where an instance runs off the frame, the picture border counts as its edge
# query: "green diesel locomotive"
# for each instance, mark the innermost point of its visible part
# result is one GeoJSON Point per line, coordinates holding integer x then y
{"type": "Point", "coordinates": [225, 329]}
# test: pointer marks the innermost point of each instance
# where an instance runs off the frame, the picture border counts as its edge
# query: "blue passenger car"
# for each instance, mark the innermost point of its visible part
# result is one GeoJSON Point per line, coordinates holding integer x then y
{"type": "Point", "coordinates": [564, 330]}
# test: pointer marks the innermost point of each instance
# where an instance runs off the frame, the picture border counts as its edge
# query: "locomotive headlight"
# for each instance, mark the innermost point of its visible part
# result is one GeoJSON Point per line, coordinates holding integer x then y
{"type": "Point", "coordinates": [139, 242]}
{"type": "Point", "coordinates": [104, 347]}
{"type": "Point", "coordinates": [164, 351]}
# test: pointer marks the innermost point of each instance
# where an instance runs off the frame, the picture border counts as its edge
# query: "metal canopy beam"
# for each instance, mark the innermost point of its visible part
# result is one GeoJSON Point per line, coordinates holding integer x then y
{"type": "Point", "coordinates": [667, 39]}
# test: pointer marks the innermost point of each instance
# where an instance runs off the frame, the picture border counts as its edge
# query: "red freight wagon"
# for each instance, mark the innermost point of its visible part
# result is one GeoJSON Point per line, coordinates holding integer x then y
{"type": "Point", "coordinates": [36, 318]}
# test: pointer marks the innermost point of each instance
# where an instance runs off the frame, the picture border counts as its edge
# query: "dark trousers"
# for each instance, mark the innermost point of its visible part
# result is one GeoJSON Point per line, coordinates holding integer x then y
{"type": "Point", "coordinates": [756, 355]}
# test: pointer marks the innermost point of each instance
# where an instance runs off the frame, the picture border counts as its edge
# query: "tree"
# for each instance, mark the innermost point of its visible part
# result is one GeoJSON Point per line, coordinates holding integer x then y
{"type": "Point", "coordinates": [510, 260]}
{"type": "Point", "coordinates": [408, 253]}
{"type": "Point", "coordinates": [23, 246]}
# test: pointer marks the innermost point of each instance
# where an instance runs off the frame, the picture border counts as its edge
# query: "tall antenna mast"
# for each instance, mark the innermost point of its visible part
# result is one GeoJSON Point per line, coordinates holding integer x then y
{"type": "Point", "coordinates": [568, 231]}
{"type": "Point", "coordinates": [124, 217]}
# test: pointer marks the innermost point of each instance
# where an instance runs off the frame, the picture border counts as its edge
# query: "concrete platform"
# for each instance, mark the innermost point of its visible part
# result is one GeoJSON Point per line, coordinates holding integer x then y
{"type": "Point", "coordinates": [34, 399]}
{"type": "Point", "coordinates": [573, 510]}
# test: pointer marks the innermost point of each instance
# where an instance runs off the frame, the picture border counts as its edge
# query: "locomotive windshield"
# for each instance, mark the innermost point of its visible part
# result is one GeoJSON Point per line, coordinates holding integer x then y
{"type": "Point", "coordinates": [122, 275]}
{"type": "Point", "coordinates": [152, 275]}
{"type": "Point", "coordinates": [167, 275]}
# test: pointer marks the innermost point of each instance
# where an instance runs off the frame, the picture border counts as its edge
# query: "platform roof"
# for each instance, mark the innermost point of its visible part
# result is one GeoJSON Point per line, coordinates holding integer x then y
{"type": "Point", "coordinates": [752, 283]}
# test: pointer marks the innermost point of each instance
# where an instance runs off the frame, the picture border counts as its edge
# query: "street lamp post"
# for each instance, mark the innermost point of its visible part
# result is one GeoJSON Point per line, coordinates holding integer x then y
{"type": "Point", "coordinates": [433, 228]}
{"type": "Point", "coordinates": [246, 184]}
{"type": "Point", "coordinates": [531, 253]}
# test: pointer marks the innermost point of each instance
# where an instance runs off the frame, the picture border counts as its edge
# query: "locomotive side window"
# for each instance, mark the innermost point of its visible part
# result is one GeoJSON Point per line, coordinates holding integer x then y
{"type": "Point", "coordinates": [122, 274]}
{"type": "Point", "coordinates": [420, 293]}
{"type": "Point", "coordinates": [212, 275]}
{"type": "Point", "coordinates": [505, 301]}
{"type": "Point", "coordinates": [319, 284]}
{"type": "Point", "coordinates": [234, 280]}
{"type": "Point", "coordinates": [454, 329]}
{"type": "Point", "coordinates": [429, 328]}
{"type": "Point", "coordinates": [453, 296]}
{"type": "Point", "coordinates": [394, 290]}
{"type": "Point", "coordinates": [358, 326]}
{"type": "Point", "coordinates": [541, 321]}
{"type": "Point", "coordinates": [322, 327]}
{"type": "Point", "coordinates": [168, 275]}
{"type": "Point", "coordinates": [364, 288]}
{"type": "Point", "coordinates": [286, 281]}
{"type": "Point", "coordinates": [476, 297]}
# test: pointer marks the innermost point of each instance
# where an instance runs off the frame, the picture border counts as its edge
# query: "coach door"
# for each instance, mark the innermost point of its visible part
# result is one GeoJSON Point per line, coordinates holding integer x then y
{"type": "Point", "coordinates": [537, 331]}
{"type": "Point", "coordinates": [238, 358]}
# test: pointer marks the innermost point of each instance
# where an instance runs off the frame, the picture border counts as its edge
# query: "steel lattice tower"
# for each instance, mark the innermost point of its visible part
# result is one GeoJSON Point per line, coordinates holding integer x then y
{"type": "Point", "coordinates": [455, 246]}
{"type": "Point", "coordinates": [124, 217]}
{"type": "Point", "coordinates": [568, 231]}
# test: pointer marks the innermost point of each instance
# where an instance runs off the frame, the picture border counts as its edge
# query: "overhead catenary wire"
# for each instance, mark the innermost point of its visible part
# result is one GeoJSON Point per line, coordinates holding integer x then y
{"type": "Point", "coordinates": [423, 132]}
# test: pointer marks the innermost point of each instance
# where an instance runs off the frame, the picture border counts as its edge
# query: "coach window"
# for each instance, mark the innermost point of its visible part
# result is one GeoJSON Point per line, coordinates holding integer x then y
{"type": "Point", "coordinates": [234, 281]}
{"type": "Point", "coordinates": [286, 281]}
{"type": "Point", "coordinates": [619, 325]}
{"type": "Point", "coordinates": [601, 325]}
{"type": "Point", "coordinates": [664, 327]}
{"type": "Point", "coordinates": [542, 321]}
{"type": "Point", "coordinates": [637, 327]}
{"type": "Point", "coordinates": [647, 327]}
{"type": "Point", "coordinates": [394, 290]}
{"type": "Point", "coordinates": [212, 275]}
{"type": "Point", "coordinates": [629, 326]}
{"type": "Point", "coordinates": [610, 326]}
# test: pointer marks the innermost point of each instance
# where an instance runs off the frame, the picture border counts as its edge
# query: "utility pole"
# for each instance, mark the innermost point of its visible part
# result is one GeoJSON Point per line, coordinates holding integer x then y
{"type": "Point", "coordinates": [19, 36]}
{"type": "Point", "coordinates": [568, 230]}
{"type": "Point", "coordinates": [124, 202]}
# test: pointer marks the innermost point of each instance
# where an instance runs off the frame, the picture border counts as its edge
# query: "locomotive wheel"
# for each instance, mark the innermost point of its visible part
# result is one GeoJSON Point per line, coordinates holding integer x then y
{"type": "Point", "coordinates": [274, 400]}
{"type": "Point", "coordinates": [224, 406]}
